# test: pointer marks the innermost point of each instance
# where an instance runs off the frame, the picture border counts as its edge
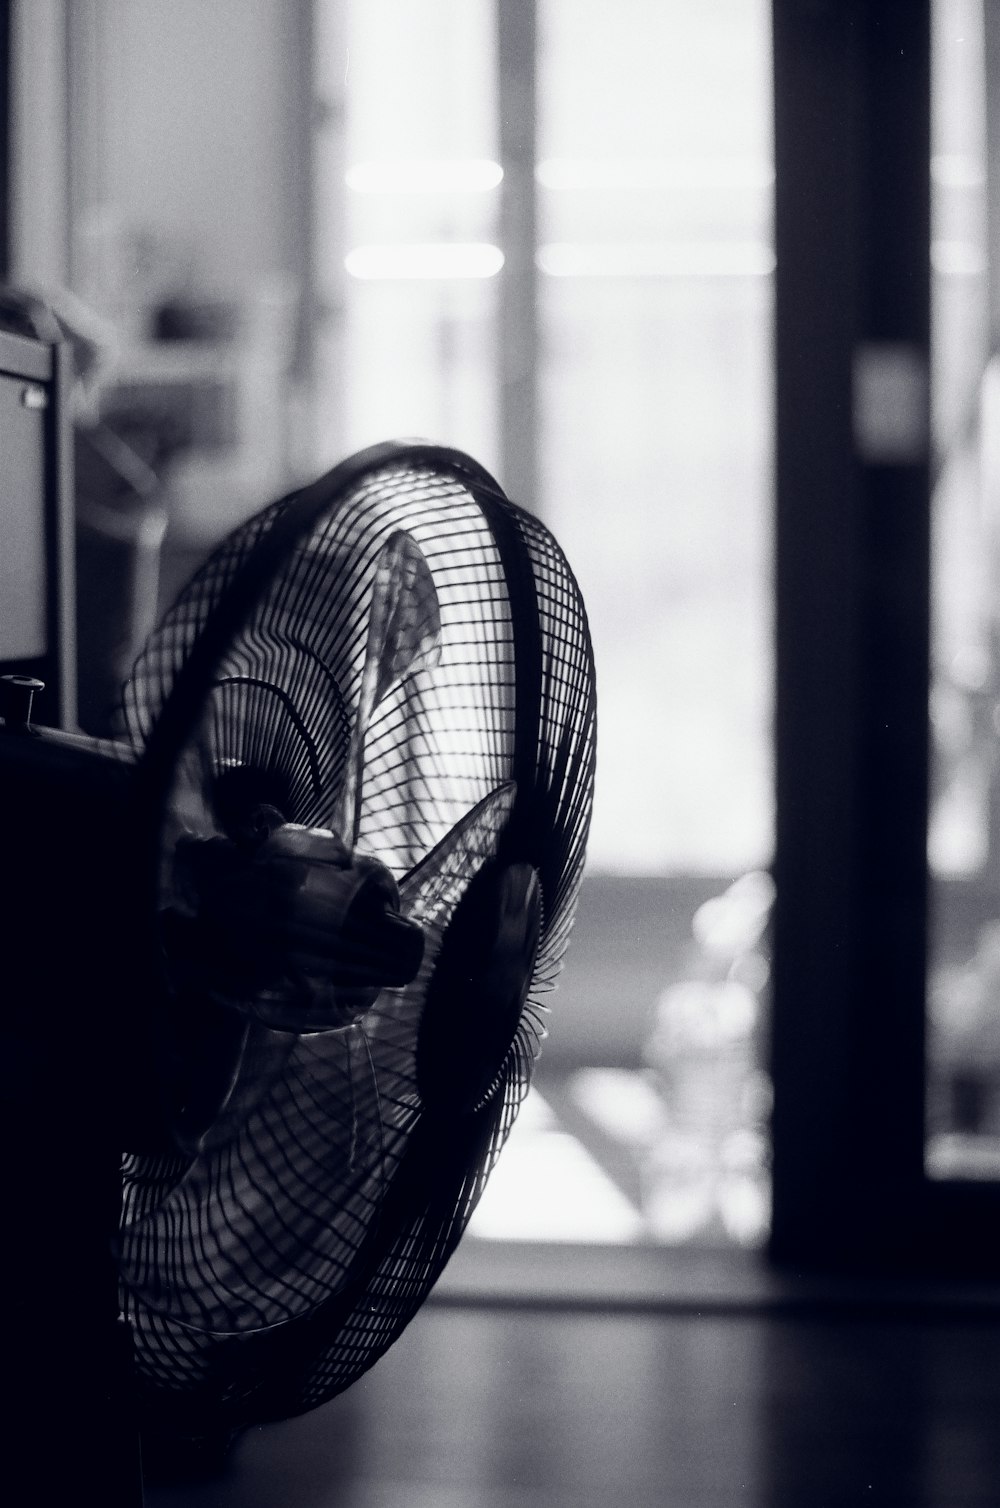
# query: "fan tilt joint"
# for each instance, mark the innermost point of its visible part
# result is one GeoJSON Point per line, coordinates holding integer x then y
{"type": "Point", "coordinates": [294, 929]}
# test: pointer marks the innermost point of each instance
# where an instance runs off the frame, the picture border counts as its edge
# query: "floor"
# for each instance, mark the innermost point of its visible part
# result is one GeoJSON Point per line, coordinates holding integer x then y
{"type": "Point", "coordinates": [593, 1157]}
{"type": "Point", "coordinates": [494, 1406]}
{"type": "Point", "coordinates": [570, 1357]}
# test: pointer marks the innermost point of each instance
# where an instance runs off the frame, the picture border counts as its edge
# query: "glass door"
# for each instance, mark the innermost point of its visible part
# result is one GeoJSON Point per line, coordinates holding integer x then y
{"type": "Point", "coordinates": [543, 234]}
{"type": "Point", "coordinates": [406, 201]}
{"type": "Point", "coordinates": [654, 185]}
{"type": "Point", "coordinates": [963, 1068]}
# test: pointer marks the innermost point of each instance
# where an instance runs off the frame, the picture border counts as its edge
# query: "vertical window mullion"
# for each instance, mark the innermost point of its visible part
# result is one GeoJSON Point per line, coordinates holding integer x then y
{"type": "Point", "coordinates": [517, 344]}
{"type": "Point", "coordinates": [852, 144]}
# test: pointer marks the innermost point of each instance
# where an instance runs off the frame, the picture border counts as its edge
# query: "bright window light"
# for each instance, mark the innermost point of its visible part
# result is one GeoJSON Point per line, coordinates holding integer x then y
{"type": "Point", "coordinates": [957, 170]}
{"type": "Point", "coordinates": [678, 260]}
{"type": "Point", "coordinates": [443, 261]}
{"type": "Point", "coordinates": [425, 176]}
{"type": "Point", "coordinates": [562, 173]}
{"type": "Point", "coordinates": [547, 1187]}
{"type": "Point", "coordinates": [957, 259]}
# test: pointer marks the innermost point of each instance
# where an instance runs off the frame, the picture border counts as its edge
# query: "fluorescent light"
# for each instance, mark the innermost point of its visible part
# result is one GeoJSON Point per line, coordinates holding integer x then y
{"type": "Point", "coordinates": [425, 176]}
{"type": "Point", "coordinates": [563, 173]}
{"type": "Point", "coordinates": [442, 260]}
{"type": "Point", "coordinates": [667, 260]}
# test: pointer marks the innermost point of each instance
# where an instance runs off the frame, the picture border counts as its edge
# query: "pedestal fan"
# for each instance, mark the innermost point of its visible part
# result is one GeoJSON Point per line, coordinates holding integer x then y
{"type": "Point", "coordinates": [286, 947]}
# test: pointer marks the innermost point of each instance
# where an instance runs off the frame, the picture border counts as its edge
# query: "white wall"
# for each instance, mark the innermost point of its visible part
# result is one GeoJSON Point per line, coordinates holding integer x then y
{"type": "Point", "coordinates": [160, 129]}
{"type": "Point", "coordinates": [185, 121]}
{"type": "Point", "coordinates": [162, 149]}
{"type": "Point", "coordinates": [38, 188]}
{"type": "Point", "coordinates": [192, 127]}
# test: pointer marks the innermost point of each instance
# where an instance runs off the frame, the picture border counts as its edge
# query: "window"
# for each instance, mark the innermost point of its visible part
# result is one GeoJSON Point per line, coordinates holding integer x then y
{"type": "Point", "coordinates": [858, 461]}
{"type": "Point", "coordinates": [544, 235]}
{"type": "Point", "coordinates": [963, 1089]}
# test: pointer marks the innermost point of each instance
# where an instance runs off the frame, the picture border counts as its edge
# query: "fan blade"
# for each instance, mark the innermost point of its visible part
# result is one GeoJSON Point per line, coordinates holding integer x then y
{"type": "Point", "coordinates": [473, 839]}
{"type": "Point", "coordinates": [429, 895]}
{"type": "Point", "coordinates": [261, 1059]}
{"type": "Point", "coordinates": [440, 1175]}
{"type": "Point", "coordinates": [304, 1172]}
{"type": "Point", "coordinates": [265, 1227]}
{"type": "Point", "coordinates": [403, 636]}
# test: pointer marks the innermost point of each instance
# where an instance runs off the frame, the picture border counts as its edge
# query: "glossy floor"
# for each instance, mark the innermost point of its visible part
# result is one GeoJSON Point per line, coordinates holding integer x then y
{"type": "Point", "coordinates": [493, 1407]}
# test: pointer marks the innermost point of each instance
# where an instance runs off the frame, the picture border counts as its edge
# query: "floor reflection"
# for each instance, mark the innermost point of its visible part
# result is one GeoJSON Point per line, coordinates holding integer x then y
{"type": "Point", "coordinates": [504, 1408]}
{"type": "Point", "coordinates": [595, 1157]}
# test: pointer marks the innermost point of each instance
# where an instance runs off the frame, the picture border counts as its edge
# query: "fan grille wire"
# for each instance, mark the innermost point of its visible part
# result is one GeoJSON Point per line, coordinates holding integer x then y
{"type": "Point", "coordinates": [263, 1276]}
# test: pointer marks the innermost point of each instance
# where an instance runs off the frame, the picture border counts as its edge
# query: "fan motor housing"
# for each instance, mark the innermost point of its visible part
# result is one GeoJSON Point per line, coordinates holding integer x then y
{"type": "Point", "coordinates": [480, 983]}
{"type": "Point", "coordinates": [298, 931]}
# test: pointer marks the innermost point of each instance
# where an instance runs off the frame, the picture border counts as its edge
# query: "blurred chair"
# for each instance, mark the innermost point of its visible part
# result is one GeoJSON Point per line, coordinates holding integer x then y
{"type": "Point", "coordinates": [119, 511]}
{"type": "Point", "coordinates": [121, 519]}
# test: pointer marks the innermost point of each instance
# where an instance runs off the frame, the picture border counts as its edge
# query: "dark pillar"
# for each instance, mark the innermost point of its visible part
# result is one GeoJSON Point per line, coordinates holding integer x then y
{"type": "Point", "coordinates": [852, 145]}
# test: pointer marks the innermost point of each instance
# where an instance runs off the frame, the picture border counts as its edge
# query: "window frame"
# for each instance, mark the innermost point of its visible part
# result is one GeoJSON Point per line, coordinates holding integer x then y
{"type": "Point", "coordinates": [852, 627]}
{"type": "Point", "coordinates": [852, 141]}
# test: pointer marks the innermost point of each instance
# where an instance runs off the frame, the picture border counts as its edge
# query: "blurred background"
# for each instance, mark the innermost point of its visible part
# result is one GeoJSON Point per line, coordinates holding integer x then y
{"type": "Point", "coordinates": [540, 234]}
{"type": "Point", "coordinates": [543, 231]}
{"type": "Point", "coordinates": [280, 232]}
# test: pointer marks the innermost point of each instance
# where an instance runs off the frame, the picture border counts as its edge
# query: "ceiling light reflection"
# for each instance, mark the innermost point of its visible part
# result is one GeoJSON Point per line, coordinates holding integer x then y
{"type": "Point", "coordinates": [442, 260]}
{"type": "Point", "coordinates": [610, 174]}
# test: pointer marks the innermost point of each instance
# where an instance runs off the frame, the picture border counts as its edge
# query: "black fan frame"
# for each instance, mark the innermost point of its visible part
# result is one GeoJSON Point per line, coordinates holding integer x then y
{"type": "Point", "coordinates": [441, 1161]}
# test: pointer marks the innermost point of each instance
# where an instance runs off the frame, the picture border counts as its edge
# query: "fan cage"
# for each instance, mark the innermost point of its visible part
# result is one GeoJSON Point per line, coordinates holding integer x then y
{"type": "Point", "coordinates": [263, 1275]}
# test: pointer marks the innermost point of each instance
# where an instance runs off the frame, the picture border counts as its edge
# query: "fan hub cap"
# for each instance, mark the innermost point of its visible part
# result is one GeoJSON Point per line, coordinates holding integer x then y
{"type": "Point", "coordinates": [479, 987]}
{"type": "Point", "coordinates": [299, 932]}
